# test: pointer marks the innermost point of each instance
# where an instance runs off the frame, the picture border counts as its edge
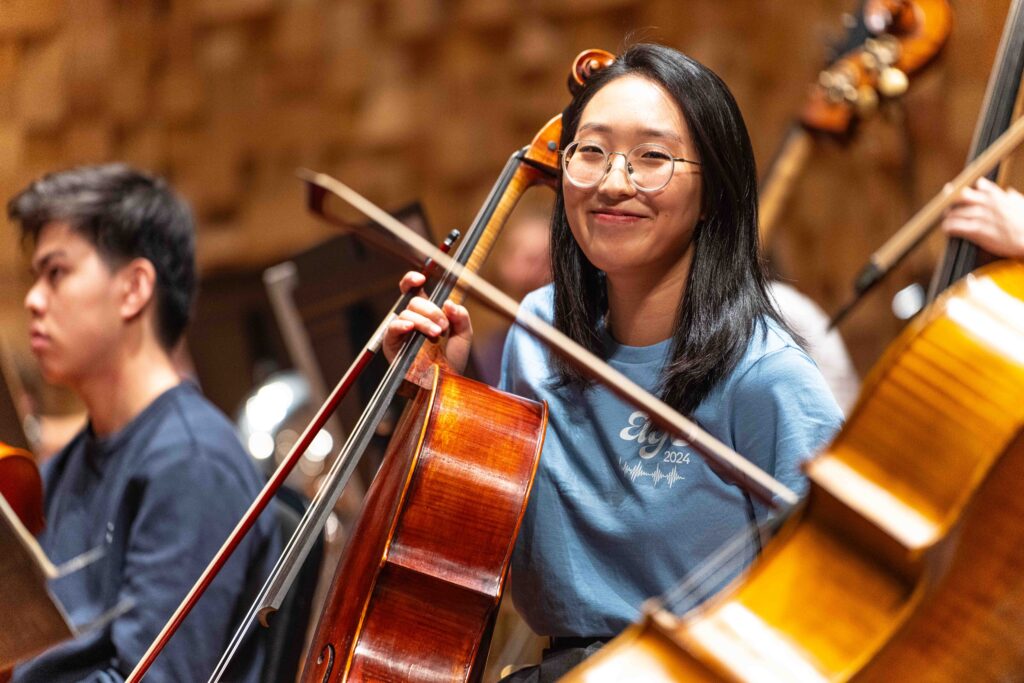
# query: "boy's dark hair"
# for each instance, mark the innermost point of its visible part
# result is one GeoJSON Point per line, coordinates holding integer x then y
{"type": "Point", "coordinates": [726, 298]}
{"type": "Point", "coordinates": [125, 214]}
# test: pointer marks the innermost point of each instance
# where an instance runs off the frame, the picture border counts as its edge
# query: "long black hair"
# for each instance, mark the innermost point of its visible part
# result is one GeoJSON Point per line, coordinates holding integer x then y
{"type": "Point", "coordinates": [726, 295]}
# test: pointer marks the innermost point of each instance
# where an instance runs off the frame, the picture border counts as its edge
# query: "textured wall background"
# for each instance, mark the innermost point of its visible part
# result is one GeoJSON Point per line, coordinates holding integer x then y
{"type": "Point", "coordinates": [426, 98]}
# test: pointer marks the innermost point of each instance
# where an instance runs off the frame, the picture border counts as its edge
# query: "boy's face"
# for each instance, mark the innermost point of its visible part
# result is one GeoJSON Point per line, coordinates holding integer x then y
{"type": "Point", "coordinates": [74, 307]}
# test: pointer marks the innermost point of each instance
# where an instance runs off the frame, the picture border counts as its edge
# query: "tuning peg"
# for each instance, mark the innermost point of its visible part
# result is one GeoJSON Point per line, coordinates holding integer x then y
{"type": "Point", "coordinates": [866, 102]}
{"type": "Point", "coordinates": [892, 82]}
{"type": "Point", "coordinates": [882, 51]}
{"type": "Point", "coordinates": [869, 61]}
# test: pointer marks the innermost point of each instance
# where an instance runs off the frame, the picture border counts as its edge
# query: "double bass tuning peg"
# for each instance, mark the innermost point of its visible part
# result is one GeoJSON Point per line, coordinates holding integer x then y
{"type": "Point", "coordinates": [892, 82]}
{"type": "Point", "coordinates": [867, 101]}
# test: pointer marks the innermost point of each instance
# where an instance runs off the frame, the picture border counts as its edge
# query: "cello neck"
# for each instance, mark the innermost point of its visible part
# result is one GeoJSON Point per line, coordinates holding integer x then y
{"type": "Point", "coordinates": [537, 163]}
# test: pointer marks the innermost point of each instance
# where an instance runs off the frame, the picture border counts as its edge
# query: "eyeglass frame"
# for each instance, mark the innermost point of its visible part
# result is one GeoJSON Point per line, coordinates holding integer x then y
{"type": "Point", "coordinates": [628, 167]}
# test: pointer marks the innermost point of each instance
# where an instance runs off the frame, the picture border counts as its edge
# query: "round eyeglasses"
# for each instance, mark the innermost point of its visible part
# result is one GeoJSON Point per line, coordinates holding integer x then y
{"type": "Point", "coordinates": [649, 166]}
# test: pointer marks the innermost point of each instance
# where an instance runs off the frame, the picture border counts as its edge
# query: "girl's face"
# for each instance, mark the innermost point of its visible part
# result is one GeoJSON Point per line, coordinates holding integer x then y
{"type": "Point", "coordinates": [622, 230]}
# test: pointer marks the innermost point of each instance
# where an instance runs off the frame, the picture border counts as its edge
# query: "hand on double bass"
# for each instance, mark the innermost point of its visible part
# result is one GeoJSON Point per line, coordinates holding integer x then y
{"type": "Point", "coordinates": [989, 216]}
{"type": "Point", "coordinates": [425, 317]}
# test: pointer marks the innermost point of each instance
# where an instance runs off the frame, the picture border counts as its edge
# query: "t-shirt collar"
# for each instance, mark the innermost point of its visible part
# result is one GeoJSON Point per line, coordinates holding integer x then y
{"type": "Point", "coordinates": [98, 450]}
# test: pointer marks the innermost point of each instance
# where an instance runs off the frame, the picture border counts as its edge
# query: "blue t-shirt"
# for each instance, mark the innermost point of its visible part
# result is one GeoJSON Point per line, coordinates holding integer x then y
{"type": "Point", "coordinates": [620, 511]}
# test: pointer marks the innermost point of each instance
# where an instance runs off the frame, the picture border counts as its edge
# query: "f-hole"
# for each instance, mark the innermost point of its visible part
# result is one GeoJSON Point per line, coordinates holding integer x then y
{"type": "Point", "coordinates": [328, 648]}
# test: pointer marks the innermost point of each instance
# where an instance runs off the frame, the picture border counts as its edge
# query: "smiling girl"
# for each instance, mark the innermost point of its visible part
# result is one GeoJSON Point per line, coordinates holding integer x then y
{"type": "Point", "coordinates": [656, 269]}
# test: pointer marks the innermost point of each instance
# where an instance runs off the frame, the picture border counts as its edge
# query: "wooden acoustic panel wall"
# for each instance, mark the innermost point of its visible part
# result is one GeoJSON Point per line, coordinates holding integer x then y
{"type": "Point", "coordinates": [424, 99]}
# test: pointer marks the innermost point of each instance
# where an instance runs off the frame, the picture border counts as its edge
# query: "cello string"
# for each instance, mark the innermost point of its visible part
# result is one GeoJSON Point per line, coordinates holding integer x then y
{"type": "Point", "coordinates": [702, 582]}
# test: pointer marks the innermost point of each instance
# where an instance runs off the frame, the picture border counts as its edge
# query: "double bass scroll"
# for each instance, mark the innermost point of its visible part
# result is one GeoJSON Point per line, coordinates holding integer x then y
{"type": "Point", "coordinates": [889, 41]}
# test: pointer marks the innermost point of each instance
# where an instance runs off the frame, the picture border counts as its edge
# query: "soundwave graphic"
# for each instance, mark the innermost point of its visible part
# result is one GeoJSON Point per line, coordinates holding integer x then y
{"type": "Point", "coordinates": [656, 476]}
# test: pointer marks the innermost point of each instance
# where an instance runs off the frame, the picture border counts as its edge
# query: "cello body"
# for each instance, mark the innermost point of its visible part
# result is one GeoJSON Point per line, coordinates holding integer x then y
{"type": "Point", "coordinates": [419, 582]}
{"type": "Point", "coordinates": [906, 561]}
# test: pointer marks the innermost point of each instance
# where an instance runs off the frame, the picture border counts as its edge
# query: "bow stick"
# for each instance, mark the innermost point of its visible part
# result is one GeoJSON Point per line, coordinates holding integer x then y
{"type": "Point", "coordinates": [720, 457]}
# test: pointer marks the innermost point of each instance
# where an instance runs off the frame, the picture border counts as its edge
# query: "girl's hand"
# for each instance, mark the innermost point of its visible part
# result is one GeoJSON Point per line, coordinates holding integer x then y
{"type": "Point", "coordinates": [424, 317]}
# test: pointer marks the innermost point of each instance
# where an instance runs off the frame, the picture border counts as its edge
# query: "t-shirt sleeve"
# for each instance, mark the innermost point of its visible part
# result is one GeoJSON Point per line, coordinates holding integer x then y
{"type": "Point", "coordinates": [185, 511]}
{"type": "Point", "coordinates": [782, 414]}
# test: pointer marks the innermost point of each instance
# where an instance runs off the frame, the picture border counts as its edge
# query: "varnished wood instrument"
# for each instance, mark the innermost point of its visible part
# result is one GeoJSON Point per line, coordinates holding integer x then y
{"type": "Point", "coordinates": [417, 590]}
{"type": "Point", "coordinates": [418, 586]}
{"type": "Point", "coordinates": [338, 652]}
{"type": "Point", "coordinates": [22, 486]}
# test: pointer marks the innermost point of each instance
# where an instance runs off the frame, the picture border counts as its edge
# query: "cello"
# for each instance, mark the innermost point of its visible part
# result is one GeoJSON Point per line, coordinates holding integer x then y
{"type": "Point", "coordinates": [416, 592]}
{"type": "Point", "coordinates": [393, 537]}
{"type": "Point", "coordinates": [22, 487]}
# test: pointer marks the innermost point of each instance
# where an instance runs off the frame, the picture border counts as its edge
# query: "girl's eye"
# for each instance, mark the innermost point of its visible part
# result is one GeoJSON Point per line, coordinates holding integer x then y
{"type": "Point", "coordinates": [655, 155]}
